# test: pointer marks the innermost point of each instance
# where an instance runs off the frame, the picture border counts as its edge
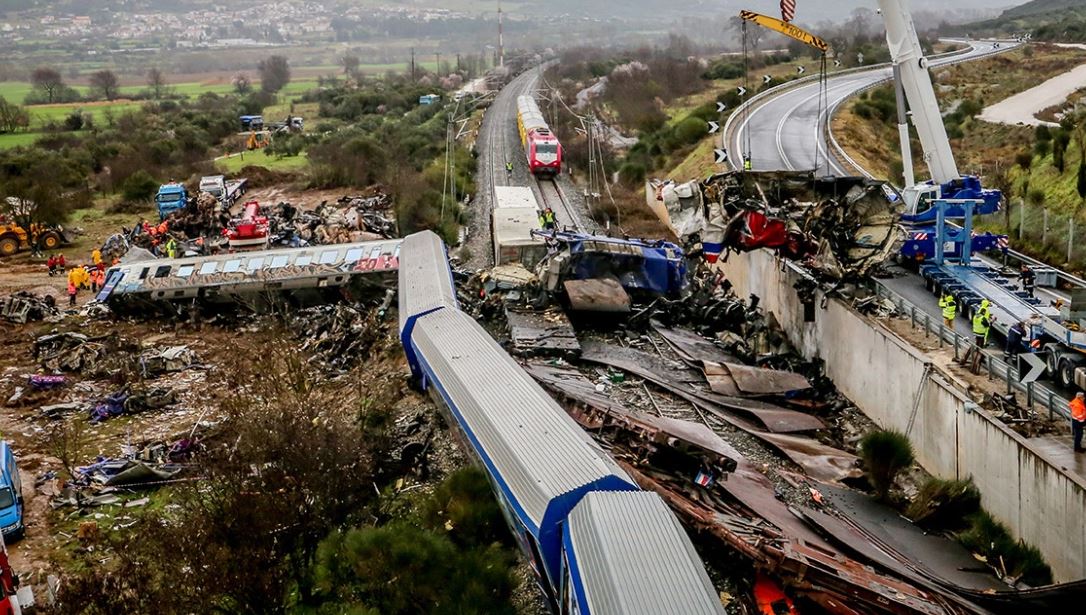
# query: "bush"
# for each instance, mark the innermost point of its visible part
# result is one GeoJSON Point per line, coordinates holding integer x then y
{"type": "Point", "coordinates": [885, 454]}
{"type": "Point", "coordinates": [464, 505]}
{"type": "Point", "coordinates": [402, 569]}
{"type": "Point", "coordinates": [944, 504]}
{"type": "Point", "coordinates": [1008, 556]}
{"type": "Point", "coordinates": [139, 186]}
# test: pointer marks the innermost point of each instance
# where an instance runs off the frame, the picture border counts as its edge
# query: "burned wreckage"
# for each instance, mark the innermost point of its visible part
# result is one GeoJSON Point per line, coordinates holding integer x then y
{"type": "Point", "coordinates": [840, 227]}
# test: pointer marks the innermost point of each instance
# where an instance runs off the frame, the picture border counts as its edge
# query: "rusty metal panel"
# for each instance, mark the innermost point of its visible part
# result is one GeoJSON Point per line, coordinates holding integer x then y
{"type": "Point", "coordinates": [597, 295]}
{"type": "Point", "coordinates": [757, 380]}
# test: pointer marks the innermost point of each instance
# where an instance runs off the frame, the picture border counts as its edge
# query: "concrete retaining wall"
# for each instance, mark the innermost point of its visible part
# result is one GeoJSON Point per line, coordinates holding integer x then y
{"type": "Point", "coordinates": [953, 438]}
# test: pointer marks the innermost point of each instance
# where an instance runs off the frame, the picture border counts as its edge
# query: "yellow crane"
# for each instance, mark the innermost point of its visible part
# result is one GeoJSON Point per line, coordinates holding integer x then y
{"type": "Point", "coordinates": [786, 29]}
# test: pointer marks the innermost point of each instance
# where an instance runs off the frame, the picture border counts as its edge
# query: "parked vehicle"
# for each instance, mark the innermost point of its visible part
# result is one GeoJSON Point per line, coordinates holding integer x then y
{"type": "Point", "coordinates": [171, 197]}
{"type": "Point", "coordinates": [13, 237]}
{"type": "Point", "coordinates": [227, 191]}
{"type": "Point", "coordinates": [11, 495]}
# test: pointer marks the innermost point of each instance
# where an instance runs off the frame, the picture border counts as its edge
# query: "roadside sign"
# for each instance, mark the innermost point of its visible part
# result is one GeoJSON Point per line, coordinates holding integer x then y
{"type": "Point", "coordinates": [1030, 367]}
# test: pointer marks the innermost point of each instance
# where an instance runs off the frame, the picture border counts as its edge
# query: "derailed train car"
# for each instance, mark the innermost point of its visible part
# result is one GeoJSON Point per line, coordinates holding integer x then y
{"type": "Point", "coordinates": [596, 542]}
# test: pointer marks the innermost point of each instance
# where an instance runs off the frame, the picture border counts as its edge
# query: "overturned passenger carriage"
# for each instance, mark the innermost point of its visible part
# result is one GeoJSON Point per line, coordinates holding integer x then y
{"type": "Point", "coordinates": [258, 280]}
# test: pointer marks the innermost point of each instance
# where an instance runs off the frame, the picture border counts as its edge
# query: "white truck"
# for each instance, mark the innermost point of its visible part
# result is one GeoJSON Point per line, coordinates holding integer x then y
{"type": "Point", "coordinates": [227, 191]}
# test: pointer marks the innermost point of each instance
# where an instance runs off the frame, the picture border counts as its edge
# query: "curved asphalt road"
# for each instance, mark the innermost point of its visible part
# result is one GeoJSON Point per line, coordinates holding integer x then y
{"type": "Point", "coordinates": [784, 130]}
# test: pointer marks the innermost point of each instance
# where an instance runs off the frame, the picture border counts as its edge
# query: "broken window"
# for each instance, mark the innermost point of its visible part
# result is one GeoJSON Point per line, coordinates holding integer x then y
{"type": "Point", "coordinates": [143, 274]}
{"type": "Point", "coordinates": [185, 271]}
{"type": "Point", "coordinates": [208, 267]}
{"type": "Point", "coordinates": [232, 266]}
{"type": "Point", "coordinates": [255, 263]}
{"type": "Point", "coordinates": [278, 261]}
{"type": "Point", "coordinates": [162, 271]}
{"type": "Point", "coordinates": [328, 257]}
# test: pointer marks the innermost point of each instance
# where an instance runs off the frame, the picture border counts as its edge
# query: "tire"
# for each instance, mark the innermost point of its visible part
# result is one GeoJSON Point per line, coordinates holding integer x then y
{"type": "Point", "coordinates": [1052, 363]}
{"type": "Point", "coordinates": [49, 240]}
{"type": "Point", "coordinates": [9, 245]}
{"type": "Point", "coordinates": [1067, 373]}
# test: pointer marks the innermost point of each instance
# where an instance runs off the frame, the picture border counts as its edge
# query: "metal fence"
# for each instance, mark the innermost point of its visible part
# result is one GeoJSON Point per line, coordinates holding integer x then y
{"type": "Point", "coordinates": [1038, 395]}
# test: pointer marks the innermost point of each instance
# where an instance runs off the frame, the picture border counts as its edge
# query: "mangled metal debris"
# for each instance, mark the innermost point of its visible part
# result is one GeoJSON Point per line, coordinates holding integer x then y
{"type": "Point", "coordinates": [597, 295]}
{"type": "Point", "coordinates": [841, 227]}
{"type": "Point", "coordinates": [537, 332]}
{"type": "Point", "coordinates": [22, 307]}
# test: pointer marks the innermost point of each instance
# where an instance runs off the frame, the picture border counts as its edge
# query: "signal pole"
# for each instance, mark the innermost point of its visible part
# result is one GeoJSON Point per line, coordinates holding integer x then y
{"type": "Point", "coordinates": [501, 41]}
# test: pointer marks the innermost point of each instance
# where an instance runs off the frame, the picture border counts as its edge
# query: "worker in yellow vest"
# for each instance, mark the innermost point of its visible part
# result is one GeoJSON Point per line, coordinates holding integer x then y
{"type": "Point", "coordinates": [982, 323]}
{"type": "Point", "coordinates": [950, 310]}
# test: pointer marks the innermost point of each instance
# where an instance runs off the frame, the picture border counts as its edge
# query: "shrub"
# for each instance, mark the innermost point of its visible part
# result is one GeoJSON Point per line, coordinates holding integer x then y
{"type": "Point", "coordinates": [139, 186]}
{"type": "Point", "coordinates": [885, 454]}
{"type": "Point", "coordinates": [944, 504]}
{"type": "Point", "coordinates": [1008, 556]}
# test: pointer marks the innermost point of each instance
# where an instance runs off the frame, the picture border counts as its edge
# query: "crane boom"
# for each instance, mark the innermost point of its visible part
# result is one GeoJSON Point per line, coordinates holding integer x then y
{"type": "Point", "coordinates": [786, 29]}
{"type": "Point", "coordinates": [909, 57]}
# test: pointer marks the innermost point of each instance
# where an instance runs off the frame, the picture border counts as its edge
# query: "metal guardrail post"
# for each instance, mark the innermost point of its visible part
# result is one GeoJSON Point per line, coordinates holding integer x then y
{"type": "Point", "coordinates": [1029, 395]}
{"type": "Point", "coordinates": [957, 346]}
{"type": "Point", "coordinates": [927, 325]}
{"type": "Point", "coordinates": [912, 316]}
{"type": "Point", "coordinates": [942, 327]}
{"type": "Point", "coordinates": [988, 361]}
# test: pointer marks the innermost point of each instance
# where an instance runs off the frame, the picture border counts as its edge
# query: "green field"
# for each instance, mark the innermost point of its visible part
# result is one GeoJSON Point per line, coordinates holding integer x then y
{"type": "Point", "coordinates": [258, 158]}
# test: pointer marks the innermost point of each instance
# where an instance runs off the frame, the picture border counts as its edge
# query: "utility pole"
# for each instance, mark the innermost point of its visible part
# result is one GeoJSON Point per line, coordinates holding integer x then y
{"type": "Point", "coordinates": [437, 69]}
{"type": "Point", "coordinates": [412, 64]}
{"type": "Point", "coordinates": [501, 40]}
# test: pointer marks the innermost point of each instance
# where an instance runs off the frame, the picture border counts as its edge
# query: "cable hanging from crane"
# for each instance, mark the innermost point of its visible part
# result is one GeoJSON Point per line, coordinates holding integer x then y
{"type": "Point", "coordinates": [804, 37]}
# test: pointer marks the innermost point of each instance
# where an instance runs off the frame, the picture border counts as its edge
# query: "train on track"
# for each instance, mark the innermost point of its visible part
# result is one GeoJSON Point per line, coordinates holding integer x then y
{"type": "Point", "coordinates": [598, 544]}
{"type": "Point", "coordinates": [541, 148]}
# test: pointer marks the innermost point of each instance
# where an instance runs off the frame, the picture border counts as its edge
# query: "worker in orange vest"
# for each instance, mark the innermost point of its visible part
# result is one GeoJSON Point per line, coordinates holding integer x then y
{"type": "Point", "coordinates": [1078, 419]}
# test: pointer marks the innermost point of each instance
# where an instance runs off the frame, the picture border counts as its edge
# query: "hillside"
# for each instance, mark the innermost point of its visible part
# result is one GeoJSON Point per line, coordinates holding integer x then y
{"type": "Point", "coordinates": [1046, 20]}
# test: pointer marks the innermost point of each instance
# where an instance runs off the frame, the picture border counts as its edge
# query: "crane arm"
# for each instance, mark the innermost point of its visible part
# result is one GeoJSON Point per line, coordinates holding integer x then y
{"type": "Point", "coordinates": [786, 29]}
{"type": "Point", "coordinates": [909, 57]}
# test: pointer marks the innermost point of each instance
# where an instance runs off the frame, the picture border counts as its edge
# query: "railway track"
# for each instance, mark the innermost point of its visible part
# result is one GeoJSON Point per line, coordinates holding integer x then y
{"type": "Point", "coordinates": [551, 195]}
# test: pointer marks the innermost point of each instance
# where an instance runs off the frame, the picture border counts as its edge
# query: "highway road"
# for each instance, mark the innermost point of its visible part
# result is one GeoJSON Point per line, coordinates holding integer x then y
{"type": "Point", "coordinates": [786, 131]}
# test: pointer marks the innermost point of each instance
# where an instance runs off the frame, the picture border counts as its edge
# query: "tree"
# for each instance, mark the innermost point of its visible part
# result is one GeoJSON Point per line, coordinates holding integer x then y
{"type": "Point", "coordinates": [350, 63]}
{"type": "Point", "coordinates": [39, 186]}
{"type": "Point", "coordinates": [156, 82]}
{"type": "Point", "coordinates": [106, 84]}
{"type": "Point", "coordinates": [274, 73]}
{"type": "Point", "coordinates": [138, 187]}
{"type": "Point", "coordinates": [12, 116]}
{"type": "Point", "coordinates": [242, 83]}
{"type": "Point", "coordinates": [48, 81]}
{"type": "Point", "coordinates": [1060, 140]}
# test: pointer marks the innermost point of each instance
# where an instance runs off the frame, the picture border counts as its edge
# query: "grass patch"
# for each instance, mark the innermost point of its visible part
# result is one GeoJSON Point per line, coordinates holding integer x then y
{"type": "Point", "coordinates": [944, 504]}
{"type": "Point", "coordinates": [259, 158]}
{"type": "Point", "coordinates": [1011, 558]}
{"type": "Point", "coordinates": [19, 138]}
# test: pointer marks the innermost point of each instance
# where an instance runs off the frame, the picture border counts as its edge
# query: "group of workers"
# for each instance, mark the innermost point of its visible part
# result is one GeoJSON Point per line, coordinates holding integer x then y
{"type": "Point", "coordinates": [1018, 338]}
{"type": "Point", "coordinates": [92, 276]}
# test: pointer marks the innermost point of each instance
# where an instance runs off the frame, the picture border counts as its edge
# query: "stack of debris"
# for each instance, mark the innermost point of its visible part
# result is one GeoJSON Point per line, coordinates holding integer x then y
{"type": "Point", "coordinates": [340, 335]}
{"type": "Point", "coordinates": [23, 306]}
{"type": "Point", "coordinates": [100, 482]}
{"type": "Point", "coordinates": [841, 227]}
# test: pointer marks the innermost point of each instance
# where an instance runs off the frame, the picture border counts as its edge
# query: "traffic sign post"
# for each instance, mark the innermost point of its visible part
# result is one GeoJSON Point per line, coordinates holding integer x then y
{"type": "Point", "coordinates": [1030, 367]}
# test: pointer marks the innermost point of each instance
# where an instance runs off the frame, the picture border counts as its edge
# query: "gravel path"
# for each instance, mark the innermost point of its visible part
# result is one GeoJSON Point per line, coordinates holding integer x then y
{"type": "Point", "coordinates": [1022, 107]}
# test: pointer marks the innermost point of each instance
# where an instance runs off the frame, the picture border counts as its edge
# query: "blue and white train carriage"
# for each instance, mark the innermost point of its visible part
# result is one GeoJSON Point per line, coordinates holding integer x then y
{"type": "Point", "coordinates": [597, 543]}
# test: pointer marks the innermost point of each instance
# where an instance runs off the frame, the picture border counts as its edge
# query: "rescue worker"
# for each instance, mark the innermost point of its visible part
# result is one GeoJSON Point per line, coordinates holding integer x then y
{"type": "Point", "coordinates": [96, 256]}
{"type": "Point", "coordinates": [73, 290]}
{"type": "Point", "coordinates": [1015, 335]}
{"type": "Point", "coordinates": [1028, 279]}
{"type": "Point", "coordinates": [61, 264]}
{"type": "Point", "coordinates": [52, 263]}
{"type": "Point", "coordinates": [982, 322]}
{"type": "Point", "coordinates": [93, 275]}
{"type": "Point", "coordinates": [508, 168]}
{"type": "Point", "coordinates": [950, 310]}
{"type": "Point", "coordinates": [546, 219]}
{"type": "Point", "coordinates": [1078, 420]}
{"type": "Point", "coordinates": [74, 277]}
{"type": "Point", "coordinates": [747, 163]}
{"type": "Point", "coordinates": [171, 248]}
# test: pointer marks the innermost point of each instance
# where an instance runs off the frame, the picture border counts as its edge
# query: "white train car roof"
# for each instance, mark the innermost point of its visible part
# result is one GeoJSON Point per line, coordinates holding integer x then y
{"type": "Point", "coordinates": [543, 458]}
{"type": "Point", "coordinates": [425, 278]}
{"type": "Point", "coordinates": [530, 115]}
{"type": "Point", "coordinates": [514, 197]}
{"type": "Point", "coordinates": [631, 556]}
